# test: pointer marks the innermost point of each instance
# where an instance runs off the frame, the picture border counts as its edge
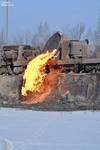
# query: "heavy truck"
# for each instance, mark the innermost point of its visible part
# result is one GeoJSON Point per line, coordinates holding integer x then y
{"type": "Point", "coordinates": [72, 55]}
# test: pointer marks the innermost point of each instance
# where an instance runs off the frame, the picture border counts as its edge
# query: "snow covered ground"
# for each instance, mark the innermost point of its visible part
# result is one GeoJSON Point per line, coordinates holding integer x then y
{"type": "Point", "coordinates": [31, 130]}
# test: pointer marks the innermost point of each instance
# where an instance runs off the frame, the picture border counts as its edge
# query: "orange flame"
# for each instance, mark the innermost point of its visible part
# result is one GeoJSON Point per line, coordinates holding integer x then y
{"type": "Point", "coordinates": [35, 73]}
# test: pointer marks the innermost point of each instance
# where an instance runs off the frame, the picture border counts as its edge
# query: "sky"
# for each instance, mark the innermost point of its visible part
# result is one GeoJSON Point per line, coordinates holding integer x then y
{"type": "Point", "coordinates": [26, 15]}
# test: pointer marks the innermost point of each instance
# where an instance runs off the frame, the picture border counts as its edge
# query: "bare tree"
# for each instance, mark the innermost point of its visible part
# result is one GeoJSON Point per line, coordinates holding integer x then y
{"type": "Point", "coordinates": [78, 31]}
{"type": "Point", "coordinates": [96, 38]}
{"type": "Point", "coordinates": [75, 32]}
{"type": "Point", "coordinates": [2, 38]}
{"type": "Point", "coordinates": [23, 38]}
{"type": "Point", "coordinates": [28, 37]}
{"type": "Point", "coordinates": [18, 39]}
{"type": "Point", "coordinates": [41, 36]}
{"type": "Point", "coordinates": [97, 33]}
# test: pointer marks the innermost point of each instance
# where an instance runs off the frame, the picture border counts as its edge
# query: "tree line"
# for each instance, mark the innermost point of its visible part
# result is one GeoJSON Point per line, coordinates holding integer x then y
{"type": "Point", "coordinates": [38, 39]}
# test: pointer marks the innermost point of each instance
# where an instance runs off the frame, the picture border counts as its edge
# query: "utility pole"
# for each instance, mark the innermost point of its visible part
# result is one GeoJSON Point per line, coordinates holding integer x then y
{"type": "Point", "coordinates": [6, 4]}
{"type": "Point", "coordinates": [7, 25]}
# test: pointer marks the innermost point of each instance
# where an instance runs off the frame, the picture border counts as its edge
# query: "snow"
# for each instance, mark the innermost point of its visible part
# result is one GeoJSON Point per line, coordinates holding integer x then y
{"type": "Point", "coordinates": [34, 130]}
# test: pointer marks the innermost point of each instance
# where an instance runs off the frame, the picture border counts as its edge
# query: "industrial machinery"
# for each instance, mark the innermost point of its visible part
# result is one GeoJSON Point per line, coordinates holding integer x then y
{"type": "Point", "coordinates": [72, 55]}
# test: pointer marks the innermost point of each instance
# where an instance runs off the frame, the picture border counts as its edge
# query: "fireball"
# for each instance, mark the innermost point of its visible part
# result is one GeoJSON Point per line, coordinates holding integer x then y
{"type": "Point", "coordinates": [35, 75]}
